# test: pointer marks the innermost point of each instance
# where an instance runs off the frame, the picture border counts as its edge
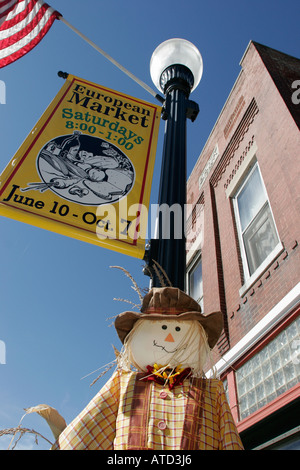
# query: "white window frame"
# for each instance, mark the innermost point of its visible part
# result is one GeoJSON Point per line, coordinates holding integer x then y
{"type": "Point", "coordinates": [192, 266]}
{"type": "Point", "coordinates": [239, 180]}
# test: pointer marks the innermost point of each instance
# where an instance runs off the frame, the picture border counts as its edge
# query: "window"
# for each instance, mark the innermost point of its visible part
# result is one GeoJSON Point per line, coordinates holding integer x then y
{"type": "Point", "coordinates": [195, 282]}
{"type": "Point", "coordinates": [256, 228]}
{"type": "Point", "coordinates": [271, 372]}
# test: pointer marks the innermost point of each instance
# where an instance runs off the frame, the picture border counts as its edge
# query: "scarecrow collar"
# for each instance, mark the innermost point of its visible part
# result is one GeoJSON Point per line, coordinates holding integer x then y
{"type": "Point", "coordinates": [167, 376]}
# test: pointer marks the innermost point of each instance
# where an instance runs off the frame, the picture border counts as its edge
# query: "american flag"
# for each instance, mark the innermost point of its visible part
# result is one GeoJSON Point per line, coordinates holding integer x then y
{"type": "Point", "coordinates": [23, 23]}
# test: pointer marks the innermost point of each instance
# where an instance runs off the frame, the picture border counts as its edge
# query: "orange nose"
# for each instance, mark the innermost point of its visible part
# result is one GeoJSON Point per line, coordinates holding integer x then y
{"type": "Point", "coordinates": [170, 338]}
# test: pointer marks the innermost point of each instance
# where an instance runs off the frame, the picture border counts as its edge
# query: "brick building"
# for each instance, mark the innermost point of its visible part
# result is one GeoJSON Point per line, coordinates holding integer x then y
{"type": "Point", "coordinates": [243, 245]}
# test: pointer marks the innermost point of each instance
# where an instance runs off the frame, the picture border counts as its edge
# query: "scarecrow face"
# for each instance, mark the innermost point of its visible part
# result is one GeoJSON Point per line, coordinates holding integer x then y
{"type": "Point", "coordinates": [165, 342]}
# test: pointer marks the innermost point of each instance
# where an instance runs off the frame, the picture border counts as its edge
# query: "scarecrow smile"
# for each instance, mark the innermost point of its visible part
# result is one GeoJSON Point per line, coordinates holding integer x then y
{"type": "Point", "coordinates": [164, 349]}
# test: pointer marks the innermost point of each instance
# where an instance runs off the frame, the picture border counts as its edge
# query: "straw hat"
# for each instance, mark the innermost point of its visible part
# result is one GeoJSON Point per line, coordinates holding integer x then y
{"type": "Point", "coordinates": [173, 304]}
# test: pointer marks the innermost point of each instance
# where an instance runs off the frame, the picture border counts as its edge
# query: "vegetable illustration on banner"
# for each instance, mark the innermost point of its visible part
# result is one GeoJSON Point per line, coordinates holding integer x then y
{"type": "Point", "coordinates": [71, 167]}
{"type": "Point", "coordinates": [86, 168]}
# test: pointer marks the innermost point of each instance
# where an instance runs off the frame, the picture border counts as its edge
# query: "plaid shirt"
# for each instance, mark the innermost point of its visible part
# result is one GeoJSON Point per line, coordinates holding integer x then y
{"type": "Point", "coordinates": [132, 414]}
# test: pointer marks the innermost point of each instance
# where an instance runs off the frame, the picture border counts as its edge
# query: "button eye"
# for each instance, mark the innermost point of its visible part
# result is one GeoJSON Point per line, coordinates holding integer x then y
{"type": "Point", "coordinates": [177, 328]}
{"type": "Point", "coordinates": [164, 327]}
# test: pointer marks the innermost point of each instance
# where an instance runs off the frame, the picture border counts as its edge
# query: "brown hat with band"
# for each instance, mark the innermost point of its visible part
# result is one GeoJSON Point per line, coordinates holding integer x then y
{"type": "Point", "coordinates": [173, 304]}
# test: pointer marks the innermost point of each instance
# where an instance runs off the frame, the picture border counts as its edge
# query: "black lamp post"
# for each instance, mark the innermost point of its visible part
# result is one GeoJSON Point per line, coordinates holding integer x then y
{"type": "Point", "coordinates": [176, 69]}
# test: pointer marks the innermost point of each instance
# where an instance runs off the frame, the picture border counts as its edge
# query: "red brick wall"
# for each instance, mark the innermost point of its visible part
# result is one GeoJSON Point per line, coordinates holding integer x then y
{"type": "Point", "coordinates": [255, 112]}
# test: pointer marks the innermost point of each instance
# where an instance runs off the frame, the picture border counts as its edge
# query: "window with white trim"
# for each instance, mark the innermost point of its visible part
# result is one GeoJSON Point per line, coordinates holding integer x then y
{"type": "Point", "coordinates": [195, 282]}
{"type": "Point", "coordinates": [255, 224]}
{"type": "Point", "coordinates": [271, 372]}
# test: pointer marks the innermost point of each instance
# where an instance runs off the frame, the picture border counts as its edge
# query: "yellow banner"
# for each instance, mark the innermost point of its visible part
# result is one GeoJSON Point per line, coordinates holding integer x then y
{"type": "Point", "coordinates": [86, 168]}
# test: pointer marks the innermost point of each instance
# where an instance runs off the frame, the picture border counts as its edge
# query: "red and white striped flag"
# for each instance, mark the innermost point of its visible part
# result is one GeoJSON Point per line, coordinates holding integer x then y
{"type": "Point", "coordinates": [23, 23]}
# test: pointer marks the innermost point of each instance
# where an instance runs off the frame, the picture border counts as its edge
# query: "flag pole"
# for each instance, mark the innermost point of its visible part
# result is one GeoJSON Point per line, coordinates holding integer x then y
{"type": "Point", "coordinates": [107, 56]}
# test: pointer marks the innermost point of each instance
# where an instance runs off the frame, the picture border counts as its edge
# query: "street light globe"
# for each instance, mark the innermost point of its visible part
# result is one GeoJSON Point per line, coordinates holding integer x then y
{"type": "Point", "coordinates": [176, 51]}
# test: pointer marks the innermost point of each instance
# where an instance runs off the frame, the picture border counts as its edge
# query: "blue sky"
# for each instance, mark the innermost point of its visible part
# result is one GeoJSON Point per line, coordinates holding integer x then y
{"type": "Point", "coordinates": [56, 292]}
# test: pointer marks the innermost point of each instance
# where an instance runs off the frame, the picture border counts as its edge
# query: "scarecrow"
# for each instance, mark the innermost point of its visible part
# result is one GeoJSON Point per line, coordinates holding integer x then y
{"type": "Point", "coordinates": [158, 398]}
